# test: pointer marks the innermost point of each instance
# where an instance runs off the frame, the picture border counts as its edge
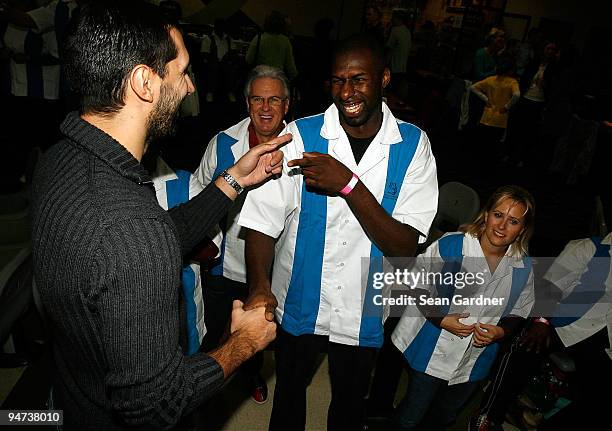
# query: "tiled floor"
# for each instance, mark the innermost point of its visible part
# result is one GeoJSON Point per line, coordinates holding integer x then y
{"type": "Point", "coordinates": [233, 409]}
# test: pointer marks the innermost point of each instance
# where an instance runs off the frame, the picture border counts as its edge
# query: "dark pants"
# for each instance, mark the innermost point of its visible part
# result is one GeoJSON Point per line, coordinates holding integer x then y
{"type": "Point", "coordinates": [219, 293]}
{"type": "Point", "coordinates": [296, 361]}
{"type": "Point", "coordinates": [389, 366]}
{"type": "Point", "coordinates": [431, 403]}
{"type": "Point", "coordinates": [488, 148]}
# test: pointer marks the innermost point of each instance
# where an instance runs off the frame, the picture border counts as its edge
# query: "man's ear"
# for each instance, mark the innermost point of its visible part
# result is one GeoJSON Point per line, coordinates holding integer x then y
{"type": "Point", "coordinates": [386, 77]}
{"type": "Point", "coordinates": [287, 102]}
{"type": "Point", "coordinates": [141, 82]}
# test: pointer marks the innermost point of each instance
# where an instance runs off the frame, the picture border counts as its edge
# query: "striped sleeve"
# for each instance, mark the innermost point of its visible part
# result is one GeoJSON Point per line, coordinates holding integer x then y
{"type": "Point", "coordinates": [205, 171]}
{"type": "Point", "coordinates": [267, 207]}
{"type": "Point", "coordinates": [418, 200]}
{"type": "Point", "coordinates": [526, 299]}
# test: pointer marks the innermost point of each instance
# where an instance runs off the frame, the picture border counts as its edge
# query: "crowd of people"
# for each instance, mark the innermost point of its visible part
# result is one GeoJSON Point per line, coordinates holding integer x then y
{"type": "Point", "coordinates": [160, 283]}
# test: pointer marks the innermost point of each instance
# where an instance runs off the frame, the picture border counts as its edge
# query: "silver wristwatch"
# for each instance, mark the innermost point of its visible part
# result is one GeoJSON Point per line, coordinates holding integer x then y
{"type": "Point", "coordinates": [232, 181]}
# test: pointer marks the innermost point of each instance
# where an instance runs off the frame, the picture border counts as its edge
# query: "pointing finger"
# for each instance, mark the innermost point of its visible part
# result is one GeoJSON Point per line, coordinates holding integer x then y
{"type": "Point", "coordinates": [272, 145]}
{"type": "Point", "coordinates": [300, 162]}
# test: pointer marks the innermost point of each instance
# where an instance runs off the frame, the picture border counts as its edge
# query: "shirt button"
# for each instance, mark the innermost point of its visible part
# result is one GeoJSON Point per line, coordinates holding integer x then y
{"type": "Point", "coordinates": [343, 242]}
{"type": "Point", "coordinates": [339, 287]}
{"type": "Point", "coordinates": [337, 310]}
{"type": "Point", "coordinates": [341, 263]}
{"type": "Point", "coordinates": [346, 221]}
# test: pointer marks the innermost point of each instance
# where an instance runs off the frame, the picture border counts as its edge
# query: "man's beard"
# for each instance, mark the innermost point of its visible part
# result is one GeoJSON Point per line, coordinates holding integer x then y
{"type": "Point", "coordinates": [161, 122]}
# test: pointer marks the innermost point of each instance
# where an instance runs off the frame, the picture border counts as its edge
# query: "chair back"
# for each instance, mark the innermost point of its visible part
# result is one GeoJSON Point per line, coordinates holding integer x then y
{"type": "Point", "coordinates": [457, 204]}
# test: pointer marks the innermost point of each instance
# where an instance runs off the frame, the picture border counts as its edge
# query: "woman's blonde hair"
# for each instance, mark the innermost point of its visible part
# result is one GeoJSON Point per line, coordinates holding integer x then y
{"type": "Point", "coordinates": [519, 195]}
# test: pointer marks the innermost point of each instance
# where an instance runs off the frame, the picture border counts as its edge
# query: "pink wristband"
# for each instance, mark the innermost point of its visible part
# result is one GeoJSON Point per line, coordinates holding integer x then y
{"type": "Point", "coordinates": [542, 320]}
{"type": "Point", "coordinates": [350, 186]}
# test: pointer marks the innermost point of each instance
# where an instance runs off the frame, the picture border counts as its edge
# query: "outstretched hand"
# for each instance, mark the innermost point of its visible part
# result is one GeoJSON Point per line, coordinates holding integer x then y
{"type": "Point", "coordinates": [323, 172]}
{"type": "Point", "coordinates": [260, 162]}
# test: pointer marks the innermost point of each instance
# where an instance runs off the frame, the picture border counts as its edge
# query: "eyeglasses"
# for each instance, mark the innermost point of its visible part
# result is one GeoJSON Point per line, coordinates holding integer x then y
{"type": "Point", "coordinates": [272, 101]}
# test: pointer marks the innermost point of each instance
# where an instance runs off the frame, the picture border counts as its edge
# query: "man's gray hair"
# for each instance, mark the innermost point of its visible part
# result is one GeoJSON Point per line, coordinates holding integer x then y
{"type": "Point", "coordinates": [265, 71]}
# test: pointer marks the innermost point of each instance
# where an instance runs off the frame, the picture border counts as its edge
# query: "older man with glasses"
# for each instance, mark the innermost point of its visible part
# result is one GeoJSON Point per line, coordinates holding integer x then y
{"type": "Point", "coordinates": [267, 99]}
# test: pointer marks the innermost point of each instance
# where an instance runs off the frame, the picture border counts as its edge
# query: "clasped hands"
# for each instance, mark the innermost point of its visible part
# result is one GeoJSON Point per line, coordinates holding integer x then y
{"type": "Point", "coordinates": [483, 334]}
{"type": "Point", "coordinates": [253, 324]}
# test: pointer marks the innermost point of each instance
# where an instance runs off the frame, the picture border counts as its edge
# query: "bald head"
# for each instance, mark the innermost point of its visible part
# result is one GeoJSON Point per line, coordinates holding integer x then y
{"type": "Point", "coordinates": [361, 43]}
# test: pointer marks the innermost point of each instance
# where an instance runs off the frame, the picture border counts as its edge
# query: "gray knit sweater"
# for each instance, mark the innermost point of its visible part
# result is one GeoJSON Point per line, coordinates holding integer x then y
{"type": "Point", "coordinates": [107, 262]}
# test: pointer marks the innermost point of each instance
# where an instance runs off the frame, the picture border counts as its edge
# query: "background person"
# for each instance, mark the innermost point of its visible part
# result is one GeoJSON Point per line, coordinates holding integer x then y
{"type": "Point", "coordinates": [266, 95]}
{"type": "Point", "coordinates": [398, 45]}
{"type": "Point", "coordinates": [273, 47]}
{"type": "Point", "coordinates": [485, 57]}
{"type": "Point", "coordinates": [499, 93]}
{"type": "Point", "coordinates": [218, 50]}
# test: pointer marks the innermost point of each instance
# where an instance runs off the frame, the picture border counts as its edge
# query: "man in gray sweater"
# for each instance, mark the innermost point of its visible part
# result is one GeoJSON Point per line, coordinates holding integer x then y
{"type": "Point", "coordinates": [107, 258]}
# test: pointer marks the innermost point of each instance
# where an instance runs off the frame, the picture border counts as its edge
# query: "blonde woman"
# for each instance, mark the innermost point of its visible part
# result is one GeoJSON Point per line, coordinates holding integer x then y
{"type": "Point", "coordinates": [475, 286]}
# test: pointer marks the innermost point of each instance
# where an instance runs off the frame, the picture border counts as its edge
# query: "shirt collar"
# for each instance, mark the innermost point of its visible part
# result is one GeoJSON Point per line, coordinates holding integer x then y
{"type": "Point", "coordinates": [607, 239]}
{"type": "Point", "coordinates": [390, 130]}
{"type": "Point", "coordinates": [472, 248]}
{"type": "Point", "coordinates": [162, 173]}
{"type": "Point", "coordinates": [252, 136]}
{"type": "Point", "coordinates": [104, 147]}
{"type": "Point", "coordinates": [239, 130]}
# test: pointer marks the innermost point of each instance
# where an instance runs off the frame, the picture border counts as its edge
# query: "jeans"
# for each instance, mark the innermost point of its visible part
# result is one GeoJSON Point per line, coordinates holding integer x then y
{"type": "Point", "coordinates": [430, 403]}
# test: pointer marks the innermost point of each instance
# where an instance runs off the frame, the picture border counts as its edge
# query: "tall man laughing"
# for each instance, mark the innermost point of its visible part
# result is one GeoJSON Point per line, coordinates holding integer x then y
{"type": "Point", "coordinates": [358, 183]}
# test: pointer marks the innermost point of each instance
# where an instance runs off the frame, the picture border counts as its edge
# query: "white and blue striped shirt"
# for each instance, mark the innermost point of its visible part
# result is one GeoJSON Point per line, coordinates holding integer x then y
{"type": "Point", "coordinates": [321, 276]}
{"type": "Point", "coordinates": [583, 272]}
{"type": "Point", "coordinates": [36, 78]}
{"type": "Point", "coordinates": [222, 152]}
{"type": "Point", "coordinates": [436, 351]}
{"type": "Point", "coordinates": [171, 189]}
